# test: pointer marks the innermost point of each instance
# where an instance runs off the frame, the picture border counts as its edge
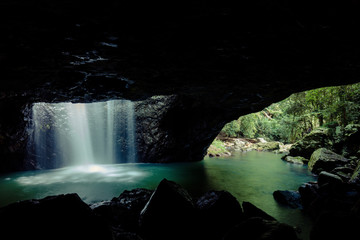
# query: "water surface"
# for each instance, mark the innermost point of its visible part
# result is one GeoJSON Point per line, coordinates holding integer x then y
{"type": "Point", "coordinates": [251, 177]}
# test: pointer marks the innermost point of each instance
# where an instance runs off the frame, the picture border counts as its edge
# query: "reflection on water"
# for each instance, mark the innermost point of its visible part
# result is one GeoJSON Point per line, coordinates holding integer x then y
{"type": "Point", "coordinates": [84, 174]}
{"type": "Point", "coordinates": [252, 177]}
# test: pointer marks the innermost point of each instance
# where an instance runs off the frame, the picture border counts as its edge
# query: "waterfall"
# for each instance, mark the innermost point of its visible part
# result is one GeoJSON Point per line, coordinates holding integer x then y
{"type": "Point", "coordinates": [65, 134]}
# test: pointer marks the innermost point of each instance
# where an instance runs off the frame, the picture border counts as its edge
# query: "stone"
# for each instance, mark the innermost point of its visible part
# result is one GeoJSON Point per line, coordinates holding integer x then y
{"type": "Point", "coordinates": [347, 139]}
{"type": "Point", "coordinates": [318, 138]}
{"type": "Point", "coordinates": [169, 214]}
{"type": "Point", "coordinates": [309, 193]}
{"type": "Point", "coordinates": [325, 160]}
{"type": "Point", "coordinates": [329, 178]}
{"type": "Point", "coordinates": [124, 210]}
{"type": "Point", "coordinates": [218, 211]}
{"type": "Point", "coordinates": [268, 146]}
{"type": "Point", "coordinates": [257, 228]}
{"type": "Point", "coordinates": [335, 225]}
{"type": "Point", "coordinates": [288, 198]}
{"type": "Point", "coordinates": [344, 172]}
{"type": "Point", "coordinates": [250, 210]}
{"type": "Point", "coordinates": [54, 217]}
{"type": "Point", "coordinates": [296, 160]}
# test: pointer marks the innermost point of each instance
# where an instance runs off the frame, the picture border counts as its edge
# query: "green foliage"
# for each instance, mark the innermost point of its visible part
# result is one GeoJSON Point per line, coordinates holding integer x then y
{"type": "Point", "coordinates": [219, 144]}
{"type": "Point", "coordinates": [292, 118]}
{"type": "Point", "coordinates": [232, 129]}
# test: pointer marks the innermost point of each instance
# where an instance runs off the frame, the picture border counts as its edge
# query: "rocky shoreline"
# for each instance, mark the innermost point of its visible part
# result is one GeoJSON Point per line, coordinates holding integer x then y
{"type": "Point", "coordinates": [168, 212]}
{"type": "Point", "coordinates": [231, 145]}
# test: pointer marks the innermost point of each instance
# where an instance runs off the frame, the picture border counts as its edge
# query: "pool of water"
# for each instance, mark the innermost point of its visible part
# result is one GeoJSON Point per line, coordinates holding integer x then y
{"type": "Point", "coordinates": [251, 177]}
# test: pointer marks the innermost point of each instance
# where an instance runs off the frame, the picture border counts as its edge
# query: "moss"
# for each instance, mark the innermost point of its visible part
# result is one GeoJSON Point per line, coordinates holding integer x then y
{"type": "Point", "coordinates": [217, 148]}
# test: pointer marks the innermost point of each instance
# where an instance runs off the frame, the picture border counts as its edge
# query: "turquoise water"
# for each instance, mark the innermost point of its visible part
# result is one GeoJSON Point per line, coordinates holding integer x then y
{"type": "Point", "coordinates": [251, 177]}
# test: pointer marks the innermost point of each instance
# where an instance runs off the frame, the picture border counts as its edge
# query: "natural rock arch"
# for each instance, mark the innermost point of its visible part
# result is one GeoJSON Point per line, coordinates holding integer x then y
{"type": "Point", "coordinates": [216, 60]}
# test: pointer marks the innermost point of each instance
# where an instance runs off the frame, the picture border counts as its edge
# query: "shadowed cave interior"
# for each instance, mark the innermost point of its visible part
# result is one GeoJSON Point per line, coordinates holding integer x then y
{"type": "Point", "coordinates": [163, 79]}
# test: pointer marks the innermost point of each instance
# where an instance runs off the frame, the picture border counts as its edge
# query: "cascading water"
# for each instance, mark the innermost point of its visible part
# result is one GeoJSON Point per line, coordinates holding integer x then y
{"type": "Point", "coordinates": [65, 134]}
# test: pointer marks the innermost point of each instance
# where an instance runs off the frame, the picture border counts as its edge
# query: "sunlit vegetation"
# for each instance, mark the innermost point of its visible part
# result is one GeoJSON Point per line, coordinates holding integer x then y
{"type": "Point", "coordinates": [292, 118]}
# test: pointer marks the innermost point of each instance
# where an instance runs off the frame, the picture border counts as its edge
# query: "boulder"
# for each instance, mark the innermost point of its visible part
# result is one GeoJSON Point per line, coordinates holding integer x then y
{"type": "Point", "coordinates": [329, 178]}
{"type": "Point", "coordinates": [344, 172]}
{"type": "Point", "coordinates": [309, 193]}
{"type": "Point", "coordinates": [335, 225]}
{"type": "Point", "coordinates": [325, 160]}
{"type": "Point", "coordinates": [296, 160]}
{"type": "Point", "coordinates": [124, 210]}
{"type": "Point", "coordinates": [267, 146]}
{"type": "Point", "coordinates": [219, 211]}
{"type": "Point", "coordinates": [54, 217]}
{"type": "Point", "coordinates": [347, 141]}
{"type": "Point", "coordinates": [250, 211]}
{"type": "Point", "coordinates": [260, 229]}
{"type": "Point", "coordinates": [289, 198]}
{"type": "Point", "coordinates": [318, 138]}
{"type": "Point", "coordinates": [169, 214]}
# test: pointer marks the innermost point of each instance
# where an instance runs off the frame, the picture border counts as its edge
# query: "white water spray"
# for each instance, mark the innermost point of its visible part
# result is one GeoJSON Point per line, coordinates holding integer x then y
{"type": "Point", "coordinates": [76, 134]}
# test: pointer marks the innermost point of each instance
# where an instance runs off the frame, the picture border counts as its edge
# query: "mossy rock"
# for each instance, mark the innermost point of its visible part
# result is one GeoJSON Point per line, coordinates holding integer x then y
{"type": "Point", "coordinates": [325, 160]}
{"type": "Point", "coordinates": [268, 146]}
{"type": "Point", "coordinates": [319, 138]}
{"type": "Point", "coordinates": [296, 160]}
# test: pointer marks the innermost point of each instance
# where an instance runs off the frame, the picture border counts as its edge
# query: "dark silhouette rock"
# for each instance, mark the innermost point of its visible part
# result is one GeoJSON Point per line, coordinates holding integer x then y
{"type": "Point", "coordinates": [260, 229]}
{"type": "Point", "coordinates": [169, 214]}
{"type": "Point", "coordinates": [219, 211]}
{"type": "Point", "coordinates": [335, 225]}
{"type": "Point", "coordinates": [55, 217]}
{"type": "Point", "coordinates": [124, 210]}
{"type": "Point", "coordinates": [329, 178]}
{"type": "Point", "coordinates": [289, 198]}
{"type": "Point", "coordinates": [250, 211]}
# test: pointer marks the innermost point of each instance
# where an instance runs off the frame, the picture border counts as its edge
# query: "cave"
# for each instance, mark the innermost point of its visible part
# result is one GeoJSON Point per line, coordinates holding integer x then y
{"type": "Point", "coordinates": [189, 67]}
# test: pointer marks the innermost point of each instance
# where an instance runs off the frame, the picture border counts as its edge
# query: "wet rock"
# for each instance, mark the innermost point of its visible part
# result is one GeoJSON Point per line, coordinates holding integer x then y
{"type": "Point", "coordinates": [55, 217]}
{"type": "Point", "coordinates": [169, 214]}
{"type": "Point", "coordinates": [219, 211]}
{"type": "Point", "coordinates": [260, 229]}
{"type": "Point", "coordinates": [309, 193]}
{"type": "Point", "coordinates": [268, 146]}
{"type": "Point", "coordinates": [289, 198]}
{"type": "Point", "coordinates": [250, 211]}
{"type": "Point", "coordinates": [329, 178]}
{"type": "Point", "coordinates": [318, 138]}
{"type": "Point", "coordinates": [344, 172]}
{"type": "Point", "coordinates": [125, 209]}
{"type": "Point", "coordinates": [325, 160]}
{"type": "Point", "coordinates": [296, 160]}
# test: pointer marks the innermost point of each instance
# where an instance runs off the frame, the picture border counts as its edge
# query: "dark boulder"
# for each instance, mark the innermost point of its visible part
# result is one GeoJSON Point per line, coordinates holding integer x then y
{"type": "Point", "coordinates": [261, 229]}
{"type": "Point", "coordinates": [335, 225]}
{"type": "Point", "coordinates": [309, 193]}
{"type": "Point", "coordinates": [329, 178]}
{"type": "Point", "coordinates": [55, 217]}
{"type": "Point", "coordinates": [169, 214]}
{"type": "Point", "coordinates": [124, 210]}
{"type": "Point", "coordinates": [289, 198]}
{"type": "Point", "coordinates": [325, 160]}
{"type": "Point", "coordinates": [250, 211]}
{"type": "Point", "coordinates": [219, 211]}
